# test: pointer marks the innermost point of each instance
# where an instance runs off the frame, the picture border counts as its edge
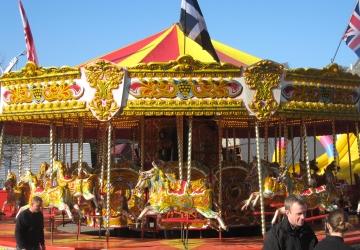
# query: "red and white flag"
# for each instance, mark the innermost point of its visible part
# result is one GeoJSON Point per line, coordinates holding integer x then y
{"type": "Point", "coordinates": [30, 45]}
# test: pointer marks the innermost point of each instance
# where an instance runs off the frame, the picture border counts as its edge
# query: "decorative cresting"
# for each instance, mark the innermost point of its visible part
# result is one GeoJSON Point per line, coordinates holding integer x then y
{"type": "Point", "coordinates": [104, 77]}
{"type": "Point", "coordinates": [263, 77]}
{"type": "Point", "coordinates": [185, 66]}
{"type": "Point", "coordinates": [332, 75]}
{"type": "Point", "coordinates": [40, 91]}
{"type": "Point", "coordinates": [185, 88]}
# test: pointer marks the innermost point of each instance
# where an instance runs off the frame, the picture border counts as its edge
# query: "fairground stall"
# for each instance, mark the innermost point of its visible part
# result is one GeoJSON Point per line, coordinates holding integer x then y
{"type": "Point", "coordinates": [172, 133]}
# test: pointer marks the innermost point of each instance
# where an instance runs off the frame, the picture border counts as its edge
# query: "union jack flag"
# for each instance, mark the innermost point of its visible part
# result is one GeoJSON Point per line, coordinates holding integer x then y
{"type": "Point", "coordinates": [352, 33]}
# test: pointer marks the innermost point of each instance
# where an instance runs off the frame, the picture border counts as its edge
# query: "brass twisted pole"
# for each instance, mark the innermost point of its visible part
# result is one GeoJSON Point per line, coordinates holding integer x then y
{"type": "Point", "coordinates": [262, 208]}
{"type": "Point", "coordinates": [30, 149]}
{"type": "Point", "coordinates": [51, 153]}
{"type": "Point", "coordinates": [1, 143]}
{"type": "Point", "coordinates": [21, 151]}
{"type": "Point", "coordinates": [180, 141]}
{"type": "Point", "coordinates": [189, 150]}
{"type": "Point", "coordinates": [80, 145]}
{"type": "Point", "coordinates": [108, 181]}
{"type": "Point", "coordinates": [306, 153]}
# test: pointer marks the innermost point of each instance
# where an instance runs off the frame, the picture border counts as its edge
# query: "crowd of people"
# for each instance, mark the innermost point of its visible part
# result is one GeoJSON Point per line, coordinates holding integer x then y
{"type": "Point", "coordinates": [292, 233]}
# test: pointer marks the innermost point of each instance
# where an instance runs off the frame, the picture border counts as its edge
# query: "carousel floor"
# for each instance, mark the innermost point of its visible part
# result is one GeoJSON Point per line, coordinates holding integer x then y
{"type": "Point", "coordinates": [67, 240]}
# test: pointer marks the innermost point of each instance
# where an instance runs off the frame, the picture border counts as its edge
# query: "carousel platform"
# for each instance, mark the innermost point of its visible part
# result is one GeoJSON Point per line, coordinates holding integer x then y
{"type": "Point", "coordinates": [65, 238]}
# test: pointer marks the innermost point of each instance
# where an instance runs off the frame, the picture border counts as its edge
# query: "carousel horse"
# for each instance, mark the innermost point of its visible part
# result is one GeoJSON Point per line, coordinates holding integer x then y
{"type": "Point", "coordinates": [85, 185]}
{"type": "Point", "coordinates": [166, 195]}
{"type": "Point", "coordinates": [273, 184]}
{"type": "Point", "coordinates": [324, 197]}
{"type": "Point", "coordinates": [17, 194]}
{"type": "Point", "coordinates": [51, 196]}
{"type": "Point", "coordinates": [41, 176]}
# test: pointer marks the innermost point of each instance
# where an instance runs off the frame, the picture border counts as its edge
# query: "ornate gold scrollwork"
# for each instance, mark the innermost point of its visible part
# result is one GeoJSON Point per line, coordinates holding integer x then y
{"type": "Point", "coordinates": [104, 77]}
{"type": "Point", "coordinates": [185, 66]}
{"type": "Point", "coordinates": [263, 77]}
{"type": "Point", "coordinates": [332, 75]}
{"type": "Point", "coordinates": [32, 73]}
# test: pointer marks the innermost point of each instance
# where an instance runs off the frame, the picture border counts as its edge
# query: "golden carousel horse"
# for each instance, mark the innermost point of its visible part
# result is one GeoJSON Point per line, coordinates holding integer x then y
{"type": "Point", "coordinates": [85, 186]}
{"type": "Point", "coordinates": [166, 195]}
{"type": "Point", "coordinates": [17, 194]}
{"type": "Point", "coordinates": [51, 196]}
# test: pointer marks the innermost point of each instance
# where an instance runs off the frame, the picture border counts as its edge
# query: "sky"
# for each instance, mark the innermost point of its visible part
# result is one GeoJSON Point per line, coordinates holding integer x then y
{"type": "Point", "coordinates": [302, 33]}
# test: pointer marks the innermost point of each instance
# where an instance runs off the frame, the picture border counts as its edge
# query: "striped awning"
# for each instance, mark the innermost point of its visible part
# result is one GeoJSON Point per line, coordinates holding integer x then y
{"type": "Point", "coordinates": [168, 45]}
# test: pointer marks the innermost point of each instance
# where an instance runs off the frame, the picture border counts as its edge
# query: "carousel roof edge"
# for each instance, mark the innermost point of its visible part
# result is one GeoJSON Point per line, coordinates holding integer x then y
{"type": "Point", "coordinates": [33, 72]}
{"type": "Point", "coordinates": [331, 75]}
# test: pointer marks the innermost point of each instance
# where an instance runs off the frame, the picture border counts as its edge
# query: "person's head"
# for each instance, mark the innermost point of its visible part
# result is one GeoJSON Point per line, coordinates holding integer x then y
{"type": "Point", "coordinates": [36, 204]}
{"type": "Point", "coordinates": [336, 222]}
{"type": "Point", "coordinates": [295, 210]}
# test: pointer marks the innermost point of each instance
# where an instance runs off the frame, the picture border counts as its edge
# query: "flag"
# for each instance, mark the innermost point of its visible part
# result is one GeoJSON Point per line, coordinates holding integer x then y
{"type": "Point", "coordinates": [193, 24]}
{"type": "Point", "coordinates": [352, 33]}
{"type": "Point", "coordinates": [30, 45]}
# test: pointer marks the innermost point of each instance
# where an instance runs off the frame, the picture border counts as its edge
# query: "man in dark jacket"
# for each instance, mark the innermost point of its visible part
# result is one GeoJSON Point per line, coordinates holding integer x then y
{"type": "Point", "coordinates": [29, 229]}
{"type": "Point", "coordinates": [292, 233]}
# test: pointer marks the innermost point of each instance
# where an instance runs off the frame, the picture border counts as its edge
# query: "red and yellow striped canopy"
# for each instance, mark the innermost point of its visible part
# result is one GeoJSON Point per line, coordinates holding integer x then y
{"type": "Point", "coordinates": [168, 45]}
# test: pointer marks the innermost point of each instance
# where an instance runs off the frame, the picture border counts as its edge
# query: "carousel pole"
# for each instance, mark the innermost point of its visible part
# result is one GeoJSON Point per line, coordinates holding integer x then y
{"type": "Point", "coordinates": [21, 150]}
{"type": "Point", "coordinates": [227, 145]}
{"type": "Point", "coordinates": [266, 142]}
{"type": "Point", "coordinates": [142, 142]}
{"type": "Point", "coordinates": [357, 137]}
{"type": "Point", "coordinates": [306, 154]}
{"type": "Point", "coordinates": [349, 152]}
{"type": "Point", "coordinates": [103, 157]}
{"type": "Point", "coordinates": [80, 145]}
{"type": "Point", "coordinates": [286, 137]}
{"type": "Point", "coordinates": [249, 149]}
{"type": "Point", "coordinates": [190, 121]}
{"type": "Point", "coordinates": [180, 141]}
{"type": "Point", "coordinates": [51, 153]}
{"type": "Point", "coordinates": [275, 144]}
{"type": "Point", "coordinates": [292, 149]}
{"type": "Point", "coordinates": [220, 156]}
{"type": "Point", "coordinates": [2, 143]}
{"type": "Point", "coordinates": [63, 143]}
{"type": "Point", "coordinates": [315, 153]}
{"type": "Point", "coordinates": [301, 157]}
{"type": "Point", "coordinates": [280, 142]}
{"type": "Point", "coordinates": [234, 148]}
{"type": "Point", "coordinates": [30, 149]}
{"type": "Point", "coordinates": [71, 145]}
{"type": "Point", "coordinates": [334, 143]}
{"type": "Point", "coordinates": [262, 209]}
{"type": "Point", "coordinates": [107, 216]}
{"type": "Point", "coordinates": [133, 145]}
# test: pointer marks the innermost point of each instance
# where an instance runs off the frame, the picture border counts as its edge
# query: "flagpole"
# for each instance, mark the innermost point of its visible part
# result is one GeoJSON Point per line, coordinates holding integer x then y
{"type": "Point", "coordinates": [341, 39]}
{"type": "Point", "coordinates": [185, 28]}
{"type": "Point", "coordinates": [337, 50]}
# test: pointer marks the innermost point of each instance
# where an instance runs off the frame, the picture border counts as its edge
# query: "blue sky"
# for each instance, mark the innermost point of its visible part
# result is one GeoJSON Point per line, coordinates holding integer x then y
{"type": "Point", "coordinates": [68, 32]}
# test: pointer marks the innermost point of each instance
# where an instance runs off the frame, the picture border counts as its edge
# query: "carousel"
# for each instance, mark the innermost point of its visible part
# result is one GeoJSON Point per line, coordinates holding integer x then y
{"type": "Point", "coordinates": [179, 141]}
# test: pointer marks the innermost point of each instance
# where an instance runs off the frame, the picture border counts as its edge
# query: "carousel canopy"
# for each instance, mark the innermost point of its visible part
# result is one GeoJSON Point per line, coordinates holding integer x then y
{"type": "Point", "coordinates": [168, 45]}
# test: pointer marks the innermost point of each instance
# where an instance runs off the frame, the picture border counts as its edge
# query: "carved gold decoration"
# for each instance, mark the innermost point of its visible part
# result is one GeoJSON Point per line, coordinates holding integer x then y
{"type": "Point", "coordinates": [50, 110]}
{"type": "Point", "coordinates": [332, 75]}
{"type": "Point", "coordinates": [104, 77]}
{"type": "Point", "coordinates": [185, 88]}
{"type": "Point", "coordinates": [302, 93]}
{"type": "Point", "coordinates": [37, 92]}
{"type": "Point", "coordinates": [32, 74]}
{"type": "Point", "coordinates": [195, 107]}
{"type": "Point", "coordinates": [184, 66]}
{"type": "Point", "coordinates": [153, 88]}
{"type": "Point", "coordinates": [263, 77]}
